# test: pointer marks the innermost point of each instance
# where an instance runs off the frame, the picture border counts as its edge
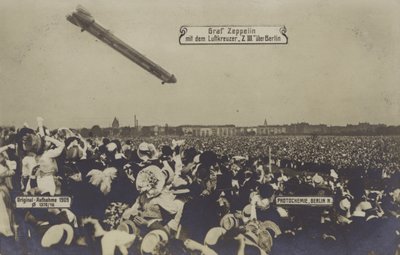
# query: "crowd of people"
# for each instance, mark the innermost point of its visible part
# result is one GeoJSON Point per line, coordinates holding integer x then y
{"type": "Point", "coordinates": [338, 152]}
{"type": "Point", "coordinates": [209, 195]}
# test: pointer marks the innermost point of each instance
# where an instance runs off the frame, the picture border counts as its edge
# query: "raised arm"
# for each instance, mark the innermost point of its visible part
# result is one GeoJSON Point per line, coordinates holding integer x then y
{"type": "Point", "coordinates": [5, 171]}
{"type": "Point", "coordinates": [40, 126]}
{"type": "Point", "coordinates": [58, 150]}
{"type": "Point", "coordinates": [4, 148]}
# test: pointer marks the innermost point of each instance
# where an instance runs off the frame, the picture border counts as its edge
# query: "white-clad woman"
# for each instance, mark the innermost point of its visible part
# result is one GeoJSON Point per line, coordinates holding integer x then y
{"type": "Point", "coordinates": [6, 215]}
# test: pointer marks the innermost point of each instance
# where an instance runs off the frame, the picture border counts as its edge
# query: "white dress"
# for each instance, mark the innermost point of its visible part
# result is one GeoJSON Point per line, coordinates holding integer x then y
{"type": "Point", "coordinates": [6, 216]}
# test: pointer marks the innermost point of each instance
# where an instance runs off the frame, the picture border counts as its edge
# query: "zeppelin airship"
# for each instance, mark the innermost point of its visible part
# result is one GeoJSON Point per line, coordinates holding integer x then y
{"type": "Point", "coordinates": [83, 19]}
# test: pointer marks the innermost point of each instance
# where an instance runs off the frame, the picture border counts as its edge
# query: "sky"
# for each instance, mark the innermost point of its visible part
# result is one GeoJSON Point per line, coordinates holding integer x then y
{"type": "Point", "coordinates": [341, 64]}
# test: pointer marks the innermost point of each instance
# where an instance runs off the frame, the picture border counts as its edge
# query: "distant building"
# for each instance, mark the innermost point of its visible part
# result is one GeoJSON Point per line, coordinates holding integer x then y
{"type": "Point", "coordinates": [251, 130]}
{"type": "Point", "coordinates": [316, 129]}
{"type": "Point", "coordinates": [209, 130]}
{"type": "Point", "coordinates": [302, 128]}
{"type": "Point", "coordinates": [240, 131]}
{"type": "Point", "coordinates": [276, 130]}
{"type": "Point", "coordinates": [272, 130]}
{"type": "Point", "coordinates": [115, 123]}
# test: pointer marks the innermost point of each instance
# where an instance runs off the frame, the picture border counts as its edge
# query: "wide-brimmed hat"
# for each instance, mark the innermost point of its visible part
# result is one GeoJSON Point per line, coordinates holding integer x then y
{"type": "Point", "coordinates": [333, 174]}
{"type": "Point", "coordinates": [58, 234]}
{"type": "Point", "coordinates": [259, 236]}
{"type": "Point", "coordinates": [213, 235]}
{"type": "Point", "coordinates": [129, 227]}
{"type": "Point", "coordinates": [371, 214]}
{"type": "Point", "coordinates": [364, 206]}
{"type": "Point", "coordinates": [345, 204]}
{"type": "Point", "coordinates": [265, 240]}
{"type": "Point", "coordinates": [229, 222]}
{"type": "Point", "coordinates": [147, 151]}
{"type": "Point", "coordinates": [396, 195]}
{"type": "Point", "coordinates": [111, 147]}
{"type": "Point", "coordinates": [168, 172]}
{"type": "Point", "coordinates": [150, 180]}
{"type": "Point", "coordinates": [317, 179]}
{"type": "Point", "coordinates": [152, 240]}
{"type": "Point", "coordinates": [252, 227]}
{"type": "Point", "coordinates": [246, 213]}
{"type": "Point", "coordinates": [271, 226]}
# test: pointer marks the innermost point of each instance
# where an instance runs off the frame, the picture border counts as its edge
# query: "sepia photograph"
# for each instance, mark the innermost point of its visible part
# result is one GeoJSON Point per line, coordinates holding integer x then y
{"type": "Point", "coordinates": [257, 127]}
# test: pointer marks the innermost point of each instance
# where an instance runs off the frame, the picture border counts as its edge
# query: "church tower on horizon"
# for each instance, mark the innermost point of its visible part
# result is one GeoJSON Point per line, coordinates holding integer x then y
{"type": "Point", "coordinates": [115, 123]}
{"type": "Point", "coordinates": [265, 122]}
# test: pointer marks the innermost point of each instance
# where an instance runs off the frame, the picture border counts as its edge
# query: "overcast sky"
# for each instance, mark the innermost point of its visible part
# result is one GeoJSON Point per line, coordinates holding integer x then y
{"type": "Point", "coordinates": [341, 64]}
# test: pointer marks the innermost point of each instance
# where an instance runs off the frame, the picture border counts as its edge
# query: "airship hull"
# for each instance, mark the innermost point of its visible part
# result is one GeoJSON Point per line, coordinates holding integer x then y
{"type": "Point", "coordinates": [83, 19]}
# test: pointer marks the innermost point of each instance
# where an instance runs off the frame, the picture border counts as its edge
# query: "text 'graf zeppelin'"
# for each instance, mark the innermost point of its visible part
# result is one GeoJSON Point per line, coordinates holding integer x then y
{"type": "Point", "coordinates": [192, 35]}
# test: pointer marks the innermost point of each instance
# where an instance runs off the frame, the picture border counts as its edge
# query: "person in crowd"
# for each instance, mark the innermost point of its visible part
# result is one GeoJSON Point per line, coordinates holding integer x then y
{"type": "Point", "coordinates": [156, 207]}
{"type": "Point", "coordinates": [208, 195]}
{"type": "Point", "coordinates": [7, 169]}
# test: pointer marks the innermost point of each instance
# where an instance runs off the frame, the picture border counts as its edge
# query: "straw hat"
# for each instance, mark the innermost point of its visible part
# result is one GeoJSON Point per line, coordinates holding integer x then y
{"type": "Point", "coordinates": [229, 222]}
{"type": "Point", "coordinates": [265, 240]}
{"type": "Point", "coordinates": [147, 151]}
{"type": "Point", "coordinates": [168, 173]}
{"type": "Point", "coordinates": [272, 226]}
{"type": "Point", "coordinates": [213, 235]}
{"type": "Point", "coordinates": [345, 204]}
{"type": "Point", "coordinates": [152, 240]}
{"type": "Point", "coordinates": [396, 195]}
{"type": "Point", "coordinates": [256, 234]}
{"type": "Point", "coordinates": [58, 234]}
{"type": "Point", "coordinates": [129, 227]}
{"type": "Point", "coordinates": [317, 179]}
{"type": "Point", "coordinates": [364, 206]}
{"type": "Point", "coordinates": [111, 146]}
{"type": "Point", "coordinates": [246, 213]}
{"type": "Point", "coordinates": [150, 180]}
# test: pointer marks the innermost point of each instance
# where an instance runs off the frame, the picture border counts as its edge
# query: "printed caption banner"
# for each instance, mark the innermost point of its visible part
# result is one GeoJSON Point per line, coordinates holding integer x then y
{"type": "Point", "coordinates": [43, 202]}
{"type": "Point", "coordinates": [213, 35]}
